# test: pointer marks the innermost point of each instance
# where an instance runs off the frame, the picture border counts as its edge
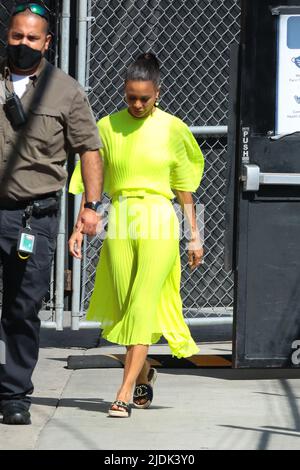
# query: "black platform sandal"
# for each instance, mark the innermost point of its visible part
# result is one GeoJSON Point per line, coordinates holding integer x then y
{"type": "Point", "coordinates": [123, 413]}
{"type": "Point", "coordinates": [145, 391]}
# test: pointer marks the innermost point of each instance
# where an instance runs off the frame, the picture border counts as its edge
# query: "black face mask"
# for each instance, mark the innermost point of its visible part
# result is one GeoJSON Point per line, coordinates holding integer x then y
{"type": "Point", "coordinates": [23, 57]}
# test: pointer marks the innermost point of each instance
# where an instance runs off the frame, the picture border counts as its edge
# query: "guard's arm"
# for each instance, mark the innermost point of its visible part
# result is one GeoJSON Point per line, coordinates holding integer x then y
{"type": "Point", "coordinates": [92, 176]}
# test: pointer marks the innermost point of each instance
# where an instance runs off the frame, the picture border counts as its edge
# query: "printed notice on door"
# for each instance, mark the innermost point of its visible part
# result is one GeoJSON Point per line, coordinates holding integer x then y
{"type": "Point", "coordinates": [288, 75]}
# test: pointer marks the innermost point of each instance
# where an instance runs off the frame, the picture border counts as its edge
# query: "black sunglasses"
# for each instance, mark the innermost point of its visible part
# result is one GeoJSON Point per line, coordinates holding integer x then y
{"type": "Point", "coordinates": [40, 10]}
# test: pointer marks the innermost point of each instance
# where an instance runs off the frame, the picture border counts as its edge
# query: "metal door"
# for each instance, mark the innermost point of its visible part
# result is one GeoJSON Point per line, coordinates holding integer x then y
{"type": "Point", "coordinates": [263, 239]}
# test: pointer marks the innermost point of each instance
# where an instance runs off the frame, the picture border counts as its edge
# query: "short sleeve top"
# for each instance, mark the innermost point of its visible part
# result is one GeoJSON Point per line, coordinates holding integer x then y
{"type": "Point", "coordinates": [157, 154]}
{"type": "Point", "coordinates": [59, 120]}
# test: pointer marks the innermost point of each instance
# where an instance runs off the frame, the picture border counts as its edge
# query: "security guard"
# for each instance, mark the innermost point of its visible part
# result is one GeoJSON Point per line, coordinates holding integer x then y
{"type": "Point", "coordinates": [44, 113]}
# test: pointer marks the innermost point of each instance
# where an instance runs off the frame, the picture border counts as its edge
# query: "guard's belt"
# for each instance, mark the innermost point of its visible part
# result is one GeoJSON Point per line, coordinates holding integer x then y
{"type": "Point", "coordinates": [42, 205]}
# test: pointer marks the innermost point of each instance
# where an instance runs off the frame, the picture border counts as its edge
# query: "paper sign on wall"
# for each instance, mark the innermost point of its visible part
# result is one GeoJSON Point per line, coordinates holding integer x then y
{"type": "Point", "coordinates": [288, 75]}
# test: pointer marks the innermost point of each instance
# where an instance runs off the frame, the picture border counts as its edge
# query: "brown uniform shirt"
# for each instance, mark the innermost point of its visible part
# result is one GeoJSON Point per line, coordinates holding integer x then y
{"type": "Point", "coordinates": [59, 120]}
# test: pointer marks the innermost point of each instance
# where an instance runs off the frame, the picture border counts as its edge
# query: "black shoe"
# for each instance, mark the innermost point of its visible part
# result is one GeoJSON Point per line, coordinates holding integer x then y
{"type": "Point", "coordinates": [15, 412]}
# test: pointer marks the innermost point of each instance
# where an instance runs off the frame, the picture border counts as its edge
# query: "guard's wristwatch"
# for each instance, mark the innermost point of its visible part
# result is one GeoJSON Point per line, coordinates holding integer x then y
{"type": "Point", "coordinates": [94, 205]}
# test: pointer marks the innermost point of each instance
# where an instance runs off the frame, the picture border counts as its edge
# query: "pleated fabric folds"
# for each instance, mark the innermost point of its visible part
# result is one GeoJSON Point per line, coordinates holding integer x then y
{"type": "Point", "coordinates": [136, 296]}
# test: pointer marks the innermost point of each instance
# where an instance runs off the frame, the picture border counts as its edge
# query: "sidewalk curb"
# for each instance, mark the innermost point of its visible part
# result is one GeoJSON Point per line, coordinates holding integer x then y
{"type": "Point", "coordinates": [103, 361]}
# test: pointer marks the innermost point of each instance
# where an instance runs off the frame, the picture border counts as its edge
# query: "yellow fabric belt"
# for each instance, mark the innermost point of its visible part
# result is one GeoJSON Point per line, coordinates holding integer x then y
{"type": "Point", "coordinates": [135, 193]}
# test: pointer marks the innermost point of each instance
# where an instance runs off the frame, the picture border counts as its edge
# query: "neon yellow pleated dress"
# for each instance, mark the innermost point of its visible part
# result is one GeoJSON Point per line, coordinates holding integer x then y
{"type": "Point", "coordinates": [136, 296]}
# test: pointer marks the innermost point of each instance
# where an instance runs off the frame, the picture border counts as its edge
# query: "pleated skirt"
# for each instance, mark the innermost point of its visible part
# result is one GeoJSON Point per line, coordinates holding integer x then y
{"type": "Point", "coordinates": [136, 295]}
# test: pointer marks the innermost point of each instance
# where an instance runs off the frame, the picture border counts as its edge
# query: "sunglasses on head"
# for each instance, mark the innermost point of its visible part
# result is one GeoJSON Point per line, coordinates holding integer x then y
{"type": "Point", "coordinates": [34, 8]}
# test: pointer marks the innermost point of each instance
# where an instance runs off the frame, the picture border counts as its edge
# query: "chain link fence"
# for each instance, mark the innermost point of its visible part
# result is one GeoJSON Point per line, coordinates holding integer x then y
{"type": "Point", "coordinates": [5, 9]}
{"type": "Point", "coordinates": [191, 40]}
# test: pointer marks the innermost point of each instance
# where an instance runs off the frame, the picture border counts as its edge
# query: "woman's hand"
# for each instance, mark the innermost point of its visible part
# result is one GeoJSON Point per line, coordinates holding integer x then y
{"type": "Point", "coordinates": [195, 245]}
{"type": "Point", "coordinates": [195, 252]}
{"type": "Point", "coordinates": [75, 242]}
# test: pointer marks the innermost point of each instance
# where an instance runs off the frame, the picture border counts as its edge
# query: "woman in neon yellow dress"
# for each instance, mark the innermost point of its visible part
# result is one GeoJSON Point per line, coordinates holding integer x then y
{"type": "Point", "coordinates": [147, 155]}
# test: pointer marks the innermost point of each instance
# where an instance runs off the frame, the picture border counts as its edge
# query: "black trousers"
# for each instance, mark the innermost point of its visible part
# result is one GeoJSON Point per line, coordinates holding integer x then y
{"type": "Point", "coordinates": [25, 284]}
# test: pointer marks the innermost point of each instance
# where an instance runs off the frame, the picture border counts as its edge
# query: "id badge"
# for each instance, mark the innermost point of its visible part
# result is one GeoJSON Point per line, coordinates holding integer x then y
{"type": "Point", "coordinates": [26, 242]}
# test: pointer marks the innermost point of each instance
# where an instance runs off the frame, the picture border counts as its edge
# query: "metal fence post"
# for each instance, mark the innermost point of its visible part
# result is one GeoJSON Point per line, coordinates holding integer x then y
{"type": "Point", "coordinates": [81, 77]}
{"type": "Point", "coordinates": [61, 239]}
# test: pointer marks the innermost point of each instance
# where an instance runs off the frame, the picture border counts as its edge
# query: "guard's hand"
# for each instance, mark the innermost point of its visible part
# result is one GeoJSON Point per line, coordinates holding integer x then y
{"type": "Point", "coordinates": [195, 253]}
{"type": "Point", "coordinates": [90, 222]}
{"type": "Point", "coordinates": [75, 243]}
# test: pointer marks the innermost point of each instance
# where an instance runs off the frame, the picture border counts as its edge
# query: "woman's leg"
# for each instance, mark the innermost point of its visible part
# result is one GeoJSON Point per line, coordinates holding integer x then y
{"type": "Point", "coordinates": [128, 358]}
{"type": "Point", "coordinates": [135, 361]}
{"type": "Point", "coordinates": [142, 378]}
{"type": "Point", "coordinates": [127, 362]}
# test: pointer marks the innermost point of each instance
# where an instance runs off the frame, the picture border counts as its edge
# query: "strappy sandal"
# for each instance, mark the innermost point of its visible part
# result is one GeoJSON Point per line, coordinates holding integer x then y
{"type": "Point", "coordinates": [123, 413]}
{"type": "Point", "coordinates": [145, 391]}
